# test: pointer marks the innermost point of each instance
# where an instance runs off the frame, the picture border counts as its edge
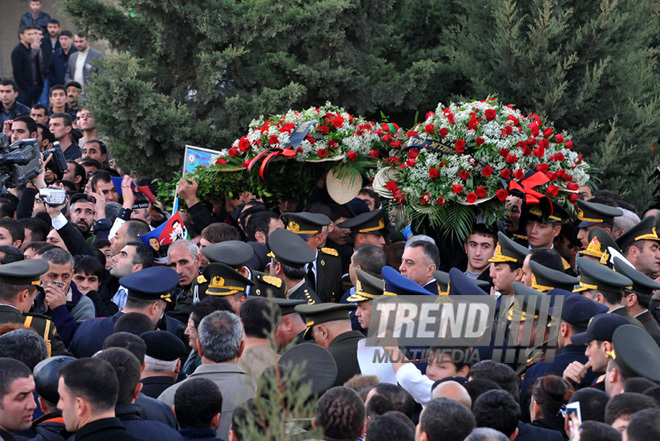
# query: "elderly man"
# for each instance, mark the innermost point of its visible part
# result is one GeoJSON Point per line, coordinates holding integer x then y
{"type": "Point", "coordinates": [183, 256]}
{"type": "Point", "coordinates": [420, 258]}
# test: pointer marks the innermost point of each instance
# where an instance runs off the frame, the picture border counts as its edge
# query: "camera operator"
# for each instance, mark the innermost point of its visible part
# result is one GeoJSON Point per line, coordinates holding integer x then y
{"type": "Point", "coordinates": [23, 127]}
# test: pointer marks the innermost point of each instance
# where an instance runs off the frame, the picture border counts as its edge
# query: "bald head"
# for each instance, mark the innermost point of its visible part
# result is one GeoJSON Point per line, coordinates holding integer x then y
{"type": "Point", "coordinates": [454, 391]}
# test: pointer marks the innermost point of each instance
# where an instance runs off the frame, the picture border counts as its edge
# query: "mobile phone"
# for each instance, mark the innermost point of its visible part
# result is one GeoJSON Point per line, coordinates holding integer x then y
{"type": "Point", "coordinates": [574, 419]}
{"type": "Point", "coordinates": [58, 283]}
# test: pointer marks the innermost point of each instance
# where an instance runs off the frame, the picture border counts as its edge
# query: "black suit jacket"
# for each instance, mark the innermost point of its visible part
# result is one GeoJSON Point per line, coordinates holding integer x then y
{"type": "Point", "coordinates": [528, 432]}
{"type": "Point", "coordinates": [344, 350]}
{"type": "Point", "coordinates": [328, 275]}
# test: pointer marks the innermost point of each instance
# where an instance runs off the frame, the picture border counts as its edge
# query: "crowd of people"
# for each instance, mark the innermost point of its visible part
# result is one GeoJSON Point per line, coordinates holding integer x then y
{"type": "Point", "coordinates": [106, 331]}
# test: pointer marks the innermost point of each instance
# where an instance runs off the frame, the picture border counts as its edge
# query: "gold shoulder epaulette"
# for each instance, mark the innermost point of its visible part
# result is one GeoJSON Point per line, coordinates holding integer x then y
{"type": "Point", "coordinates": [272, 280]}
{"type": "Point", "coordinates": [330, 251]}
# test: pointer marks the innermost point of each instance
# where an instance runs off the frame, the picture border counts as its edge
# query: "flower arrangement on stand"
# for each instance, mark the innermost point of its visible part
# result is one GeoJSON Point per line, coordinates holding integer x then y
{"type": "Point", "coordinates": [466, 158]}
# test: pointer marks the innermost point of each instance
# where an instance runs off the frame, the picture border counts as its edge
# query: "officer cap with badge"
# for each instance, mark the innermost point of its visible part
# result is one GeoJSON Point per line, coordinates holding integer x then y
{"type": "Point", "coordinates": [645, 230]}
{"type": "Point", "coordinates": [524, 297]}
{"type": "Point", "coordinates": [599, 243]}
{"type": "Point", "coordinates": [163, 345]}
{"type": "Point", "coordinates": [231, 252]}
{"type": "Point", "coordinates": [154, 283]}
{"type": "Point", "coordinates": [288, 306]}
{"type": "Point", "coordinates": [24, 272]}
{"type": "Point", "coordinates": [545, 212]}
{"type": "Point", "coordinates": [218, 279]}
{"type": "Point", "coordinates": [508, 251]}
{"type": "Point", "coordinates": [444, 284]}
{"type": "Point", "coordinates": [601, 328]}
{"type": "Point", "coordinates": [319, 313]}
{"type": "Point", "coordinates": [636, 353]}
{"type": "Point", "coordinates": [289, 248]}
{"type": "Point", "coordinates": [545, 279]}
{"type": "Point", "coordinates": [641, 283]}
{"type": "Point", "coordinates": [367, 287]}
{"type": "Point", "coordinates": [396, 284]}
{"type": "Point", "coordinates": [592, 213]}
{"type": "Point", "coordinates": [598, 277]}
{"type": "Point", "coordinates": [305, 224]}
{"type": "Point", "coordinates": [371, 222]}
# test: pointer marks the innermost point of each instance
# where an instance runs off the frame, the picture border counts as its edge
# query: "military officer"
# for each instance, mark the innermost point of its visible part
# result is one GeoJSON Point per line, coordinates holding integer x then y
{"type": "Point", "coordinates": [641, 246]}
{"type": "Point", "coordinates": [292, 326]}
{"type": "Point", "coordinates": [221, 280]}
{"type": "Point", "coordinates": [592, 214]}
{"type": "Point", "coordinates": [633, 355]}
{"type": "Point", "coordinates": [324, 273]}
{"type": "Point", "coordinates": [289, 254]}
{"type": "Point", "coordinates": [330, 326]}
{"type": "Point", "coordinates": [605, 286]}
{"type": "Point", "coordinates": [369, 227]}
{"type": "Point", "coordinates": [19, 282]}
{"type": "Point", "coordinates": [637, 299]}
{"type": "Point", "coordinates": [544, 279]}
{"type": "Point", "coordinates": [236, 254]}
{"type": "Point", "coordinates": [507, 264]}
{"type": "Point", "coordinates": [600, 246]}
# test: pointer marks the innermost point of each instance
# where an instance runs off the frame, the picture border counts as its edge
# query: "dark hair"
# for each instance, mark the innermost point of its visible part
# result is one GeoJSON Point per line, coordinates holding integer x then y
{"type": "Point", "coordinates": [250, 208]}
{"type": "Point", "coordinates": [11, 83]}
{"type": "Point", "coordinates": [144, 254]}
{"type": "Point", "coordinates": [127, 368]}
{"type": "Point", "coordinates": [644, 426]}
{"type": "Point", "coordinates": [338, 211]}
{"type": "Point", "coordinates": [53, 89]}
{"type": "Point", "coordinates": [102, 146]}
{"type": "Point", "coordinates": [370, 258]}
{"type": "Point", "coordinates": [429, 249]}
{"type": "Point", "coordinates": [46, 133]}
{"type": "Point", "coordinates": [552, 393]}
{"type": "Point", "coordinates": [398, 396]}
{"type": "Point", "coordinates": [592, 403]}
{"type": "Point", "coordinates": [101, 243]}
{"type": "Point", "coordinates": [372, 194]}
{"type": "Point", "coordinates": [91, 162]}
{"type": "Point", "coordinates": [10, 371]}
{"type": "Point", "coordinates": [94, 380]}
{"type": "Point", "coordinates": [259, 222]}
{"type": "Point", "coordinates": [654, 393]}
{"type": "Point", "coordinates": [597, 431]}
{"type": "Point", "coordinates": [38, 227]}
{"type": "Point", "coordinates": [134, 323]}
{"type": "Point", "coordinates": [79, 170]}
{"type": "Point", "coordinates": [340, 413]}
{"type": "Point", "coordinates": [292, 272]}
{"type": "Point", "coordinates": [39, 106]}
{"type": "Point", "coordinates": [500, 373]}
{"type": "Point", "coordinates": [389, 428]}
{"type": "Point", "coordinates": [627, 403]}
{"type": "Point", "coordinates": [135, 229]}
{"type": "Point", "coordinates": [638, 384]}
{"type": "Point", "coordinates": [498, 410]}
{"type": "Point", "coordinates": [24, 345]}
{"type": "Point", "coordinates": [206, 306]}
{"type": "Point", "coordinates": [445, 419]}
{"type": "Point", "coordinates": [66, 33]}
{"type": "Point", "coordinates": [88, 265]}
{"type": "Point", "coordinates": [12, 254]}
{"type": "Point", "coordinates": [378, 405]}
{"type": "Point", "coordinates": [220, 232]}
{"type": "Point", "coordinates": [14, 228]}
{"type": "Point", "coordinates": [131, 342]}
{"type": "Point", "coordinates": [478, 387]}
{"type": "Point", "coordinates": [30, 124]}
{"type": "Point", "coordinates": [196, 402]}
{"type": "Point", "coordinates": [52, 20]}
{"type": "Point", "coordinates": [483, 230]}
{"type": "Point", "coordinates": [66, 118]}
{"type": "Point", "coordinates": [259, 315]}
{"type": "Point", "coordinates": [100, 175]}
{"type": "Point", "coordinates": [548, 257]}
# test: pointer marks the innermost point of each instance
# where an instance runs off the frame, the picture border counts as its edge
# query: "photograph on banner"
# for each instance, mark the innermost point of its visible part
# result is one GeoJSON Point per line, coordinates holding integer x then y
{"type": "Point", "coordinates": [196, 156]}
{"type": "Point", "coordinates": [160, 238]}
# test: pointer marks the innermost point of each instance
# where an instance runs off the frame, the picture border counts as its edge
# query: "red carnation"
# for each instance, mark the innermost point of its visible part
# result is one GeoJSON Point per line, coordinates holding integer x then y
{"type": "Point", "coordinates": [490, 114]}
{"type": "Point", "coordinates": [299, 150]}
{"type": "Point", "coordinates": [243, 144]}
{"type": "Point", "coordinates": [511, 159]}
{"type": "Point", "coordinates": [443, 132]}
{"type": "Point", "coordinates": [548, 132]}
{"type": "Point", "coordinates": [322, 153]}
{"type": "Point", "coordinates": [220, 161]}
{"type": "Point", "coordinates": [429, 114]}
{"type": "Point", "coordinates": [460, 146]}
{"type": "Point", "coordinates": [373, 153]}
{"type": "Point", "coordinates": [519, 174]}
{"type": "Point", "coordinates": [534, 129]}
{"type": "Point", "coordinates": [324, 130]}
{"type": "Point", "coordinates": [481, 191]}
{"type": "Point", "coordinates": [464, 175]}
{"type": "Point", "coordinates": [506, 174]}
{"type": "Point", "coordinates": [391, 185]}
{"type": "Point", "coordinates": [351, 155]}
{"type": "Point", "coordinates": [273, 140]}
{"type": "Point", "coordinates": [458, 189]}
{"type": "Point", "coordinates": [434, 173]}
{"type": "Point", "coordinates": [425, 198]}
{"type": "Point", "coordinates": [479, 141]}
{"type": "Point", "coordinates": [471, 198]}
{"type": "Point", "coordinates": [487, 171]}
{"type": "Point", "coordinates": [542, 168]}
{"type": "Point", "coordinates": [387, 137]}
{"type": "Point", "coordinates": [233, 152]}
{"type": "Point", "coordinates": [429, 128]}
{"type": "Point", "coordinates": [501, 194]}
{"type": "Point", "coordinates": [552, 190]}
{"type": "Point", "coordinates": [411, 162]}
{"type": "Point", "coordinates": [332, 144]}
{"type": "Point", "coordinates": [521, 144]}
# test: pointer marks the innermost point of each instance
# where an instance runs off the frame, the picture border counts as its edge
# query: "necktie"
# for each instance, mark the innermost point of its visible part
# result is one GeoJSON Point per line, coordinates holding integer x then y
{"type": "Point", "coordinates": [310, 276]}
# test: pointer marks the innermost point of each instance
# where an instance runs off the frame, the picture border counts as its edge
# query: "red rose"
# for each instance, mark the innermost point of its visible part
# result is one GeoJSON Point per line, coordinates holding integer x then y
{"type": "Point", "coordinates": [531, 141]}
{"type": "Point", "coordinates": [391, 185]}
{"type": "Point", "coordinates": [544, 143]}
{"type": "Point", "coordinates": [569, 145]}
{"type": "Point", "coordinates": [288, 127]}
{"type": "Point", "coordinates": [273, 140]}
{"type": "Point", "coordinates": [542, 168]}
{"type": "Point", "coordinates": [412, 133]}
{"type": "Point", "coordinates": [548, 132]}
{"type": "Point", "coordinates": [309, 139]}
{"type": "Point", "coordinates": [527, 151]}
{"type": "Point", "coordinates": [519, 174]}
{"type": "Point", "coordinates": [506, 174]}
{"type": "Point", "coordinates": [425, 198]}
{"type": "Point", "coordinates": [413, 154]}
{"type": "Point", "coordinates": [534, 129]}
{"type": "Point", "coordinates": [539, 152]}
{"type": "Point", "coordinates": [373, 153]}
{"type": "Point", "coordinates": [429, 114]}
{"type": "Point", "coordinates": [337, 121]}
{"type": "Point", "coordinates": [552, 176]}
{"type": "Point", "coordinates": [504, 152]}
{"type": "Point", "coordinates": [479, 141]}
{"type": "Point", "coordinates": [450, 118]}
{"type": "Point", "coordinates": [464, 175]}
{"type": "Point", "coordinates": [322, 153]}
{"type": "Point", "coordinates": [351, 155]}
{"type": "Point", "coordinates": [220, 161]}
{"type": "Point", "coordinates": [573, 197]}
{"type": "Point", "coordinates": [501, 194]}
{"type": "Point", "coordinates": [387, 137]}
{"type": "Point", "coordinates": [299, 150]}
{"type": "Point", "coordinates": [508, 130]}
{"type": "Point", "coordinates": [243, 144]}
{"type": "Point", "coordinates": [441, 200]}
{"type": "Point", "coordinates": [471, 198]}
{"type": "Point", "coordinates": [323, 130]}
{"type": "Point", "coordinates": [429, 128]}
{"type": "Point", "coordinates": [481, 191]}
{"type": "Point", "coordinates": [441, 164]}
{"type": "Point", "coordinates": [490, 114]}
{"type": "Point", "coordinates": [233, 152]}
{"type": "Point", "coordinates": [332, 144]}
{"type": "Point", "coordinates": [560, 156]}
{"type": "Point", "coordinates": [559, 138]}
{"type": "Point", "coordinates": [572, 186]}
{"type": "Point", "coordinates": [411, 162]}
{"type": "Point", "coordinates": [487, 171]}
{"type": "Point", "coordinates": [434, 173]}
{"type": "Point", "coordinates": [521, 144]}
{"type": "Point", "coordinates": [552, 190]}
{"type": "Point", "coordinates": [395, 144]}
{"type": "Point", "coordinates": [443, 132]}
{"type": "Point", "coordinates": [511, 159]}
{"type": "Point", "coordinates": [460, 146]}
{"type": "Point", "coordinates": [514, 119]}
{"type": "Point", "coordinates": [458, 189]}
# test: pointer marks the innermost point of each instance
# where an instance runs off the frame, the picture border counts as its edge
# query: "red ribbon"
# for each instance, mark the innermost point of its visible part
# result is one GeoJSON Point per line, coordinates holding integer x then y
{"type": "Point", "coordinates": [527, 185]}
{"type": "Point", "coordinates": [266, 156]}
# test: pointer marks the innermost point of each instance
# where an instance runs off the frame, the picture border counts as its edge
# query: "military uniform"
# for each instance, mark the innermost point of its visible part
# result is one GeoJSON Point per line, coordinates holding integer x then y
{"type": "Point", "coordinates": [592, 213]}
{"type": "Point", "coordinates": [288, 248]}
{"type": "Point", "coordinates": [328, 283]}
{"type": "Point", "coordinates": [651, 326]}
{"type": "Point", "coordinates": [266, 285]}
{"type": "Point", "coordinates": [304, 292]}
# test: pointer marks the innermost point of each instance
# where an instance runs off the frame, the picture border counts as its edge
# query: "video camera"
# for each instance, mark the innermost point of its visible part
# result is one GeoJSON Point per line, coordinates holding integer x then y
{"type": "Point", "coordinates": [21, 161]}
